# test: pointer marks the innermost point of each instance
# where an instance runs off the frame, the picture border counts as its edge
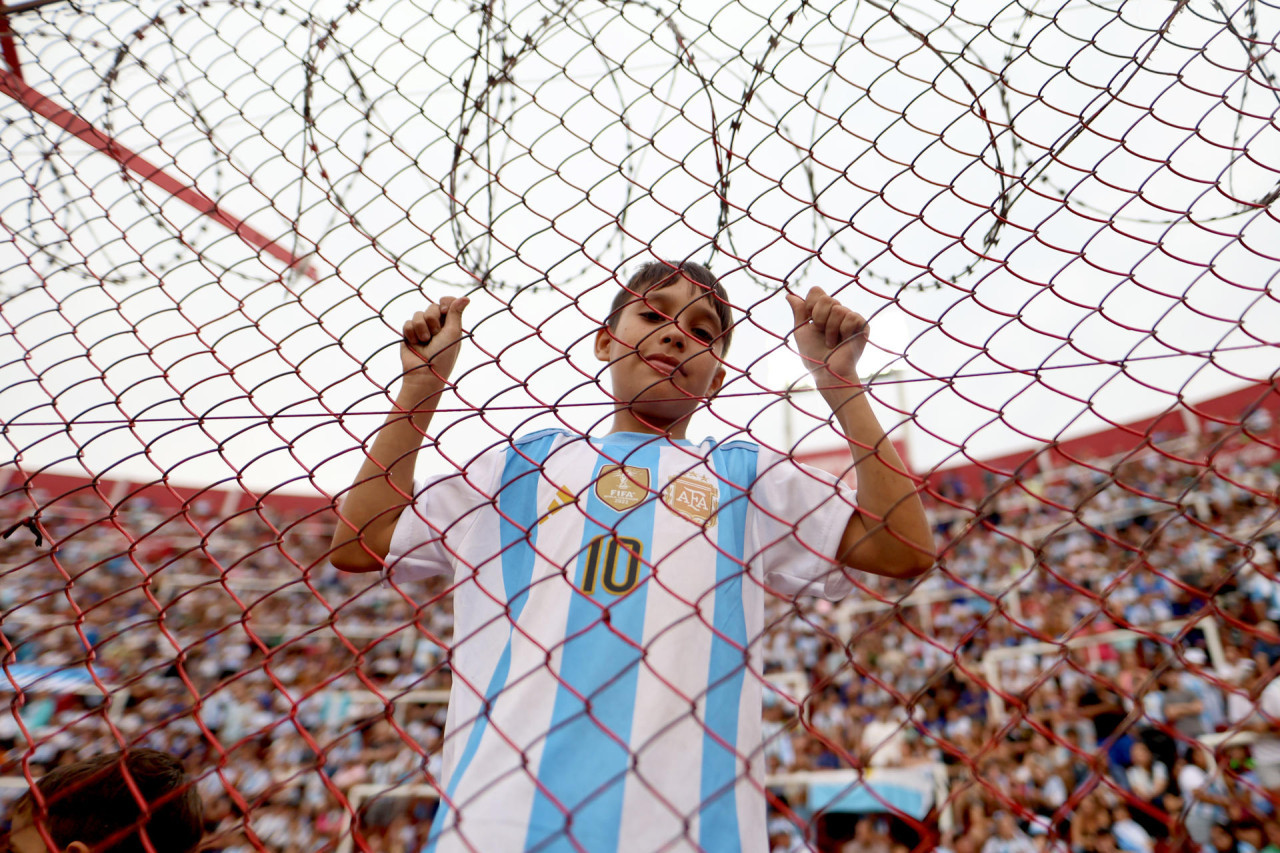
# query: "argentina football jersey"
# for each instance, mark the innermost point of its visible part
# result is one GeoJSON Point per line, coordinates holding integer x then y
{"type": "Point", "coordinates": [608, 598]}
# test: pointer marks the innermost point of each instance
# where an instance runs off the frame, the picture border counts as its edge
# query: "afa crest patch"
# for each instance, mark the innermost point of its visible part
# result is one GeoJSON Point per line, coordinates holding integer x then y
{"type": "Point", "coordinates": [622, 486]}
{"type": "Point", "coordinates": [694, 496]}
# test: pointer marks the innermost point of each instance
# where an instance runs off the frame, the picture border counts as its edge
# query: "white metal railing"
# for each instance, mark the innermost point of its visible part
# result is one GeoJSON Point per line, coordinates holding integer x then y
{"type": "Point", "coordinates": [924, 599]}
{"type": "Point", "coordinates": [991, 659]}
{"type": "Point", "coordinates": [359, 794]}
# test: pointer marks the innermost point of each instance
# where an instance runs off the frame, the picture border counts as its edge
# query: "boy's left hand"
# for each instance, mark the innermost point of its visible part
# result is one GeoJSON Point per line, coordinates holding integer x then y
{"type": "Point", "coordinates": [830, 338]}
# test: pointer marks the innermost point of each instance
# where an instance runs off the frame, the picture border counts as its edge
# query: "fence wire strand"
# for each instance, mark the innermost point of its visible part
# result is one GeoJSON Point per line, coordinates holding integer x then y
{"type": "Point", "coordinates": [1057, 217]}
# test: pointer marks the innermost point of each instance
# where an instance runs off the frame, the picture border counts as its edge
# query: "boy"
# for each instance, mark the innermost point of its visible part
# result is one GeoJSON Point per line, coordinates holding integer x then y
{"type": "Point", "coordinates": [609, 590]}
{"type": "Point", "coordinates": [94, 805]}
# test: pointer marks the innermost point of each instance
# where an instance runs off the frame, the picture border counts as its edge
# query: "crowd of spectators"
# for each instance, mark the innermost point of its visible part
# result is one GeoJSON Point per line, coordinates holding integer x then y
{"type": "Point", "coordinates": [1091, 633]}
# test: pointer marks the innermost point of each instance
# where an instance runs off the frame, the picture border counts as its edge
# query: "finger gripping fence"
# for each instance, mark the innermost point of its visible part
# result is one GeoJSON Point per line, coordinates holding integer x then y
{"type": "Point", "coordinates": [356, 359]}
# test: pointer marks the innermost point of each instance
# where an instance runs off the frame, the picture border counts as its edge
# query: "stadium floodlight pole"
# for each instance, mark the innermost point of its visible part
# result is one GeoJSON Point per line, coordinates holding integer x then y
{"type": "Point", "coordinates": [13, 85]}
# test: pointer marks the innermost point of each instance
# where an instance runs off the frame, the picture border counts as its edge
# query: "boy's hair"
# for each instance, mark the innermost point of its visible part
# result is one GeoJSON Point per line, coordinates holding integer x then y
{"type": "Point", "coordinates": [661, 273]}
{"type": "Point", "coordinates": [91, 802]}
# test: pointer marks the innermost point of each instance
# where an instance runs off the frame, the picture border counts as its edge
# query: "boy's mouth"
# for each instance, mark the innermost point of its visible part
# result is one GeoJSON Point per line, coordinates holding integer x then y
{"type": "Point", "coordinates": [664, 364]}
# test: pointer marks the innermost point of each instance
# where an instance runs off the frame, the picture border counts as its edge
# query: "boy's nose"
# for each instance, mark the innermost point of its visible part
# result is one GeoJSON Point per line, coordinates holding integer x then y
{"type": "Point", "coordinates": [673, 336]}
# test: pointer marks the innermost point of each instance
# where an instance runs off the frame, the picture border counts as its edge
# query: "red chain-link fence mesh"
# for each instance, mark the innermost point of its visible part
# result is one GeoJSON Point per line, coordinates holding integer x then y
{"type": "Point", "coordinates": [1058, 217]}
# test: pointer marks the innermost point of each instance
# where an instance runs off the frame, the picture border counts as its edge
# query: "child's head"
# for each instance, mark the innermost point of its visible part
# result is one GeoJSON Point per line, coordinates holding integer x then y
{"type": "Point", "coordinates": [664, 342]}
{"type": "Point", "coordinates": [656, 274]}
{"type": "Point", "coordinates": [1250, 832]}
{"type": "Point", "coordinates": [83, 804]}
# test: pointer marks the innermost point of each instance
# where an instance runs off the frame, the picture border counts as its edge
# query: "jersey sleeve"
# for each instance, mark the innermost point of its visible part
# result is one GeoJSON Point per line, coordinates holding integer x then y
{"type": "Point", "coordinates": [429, 537]}
{"type": "Point", "coordinates": [799, 515]}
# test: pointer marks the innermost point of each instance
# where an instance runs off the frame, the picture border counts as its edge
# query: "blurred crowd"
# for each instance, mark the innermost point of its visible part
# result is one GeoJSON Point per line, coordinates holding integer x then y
{"type": "Point", "coordinates": [1093, 635]}
{"type": "Point", "coordinates": [1077, 666]}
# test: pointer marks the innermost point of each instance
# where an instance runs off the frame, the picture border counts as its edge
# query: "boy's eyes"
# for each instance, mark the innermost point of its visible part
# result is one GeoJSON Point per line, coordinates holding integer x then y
{"type": "Point", "coordinates": [703, 334]}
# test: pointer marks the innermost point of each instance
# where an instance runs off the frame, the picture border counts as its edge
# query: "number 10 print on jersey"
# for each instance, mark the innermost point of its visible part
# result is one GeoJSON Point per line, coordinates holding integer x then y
{"type": "Point", "coordinates": [617, 551]}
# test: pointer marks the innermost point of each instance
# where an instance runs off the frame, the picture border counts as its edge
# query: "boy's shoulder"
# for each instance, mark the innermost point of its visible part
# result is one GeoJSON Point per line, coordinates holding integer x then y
{"type": "Point", "coordinates": [550, 434]}
{"type": "Point", "coordinates": [570, 451]}
{"type": "Point", "coordinates": [566, 455]}
{"type": "Point", "coordinates": [737, 444]}
{"type": "Point", "coordinates": [556, 446]}
{"type": "Point", "coordinates": [553, 436]}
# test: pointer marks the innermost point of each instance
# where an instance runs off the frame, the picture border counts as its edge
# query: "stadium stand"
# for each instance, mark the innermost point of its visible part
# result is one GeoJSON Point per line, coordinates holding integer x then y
{"type": "Point", "coordinates": [1086, 660]}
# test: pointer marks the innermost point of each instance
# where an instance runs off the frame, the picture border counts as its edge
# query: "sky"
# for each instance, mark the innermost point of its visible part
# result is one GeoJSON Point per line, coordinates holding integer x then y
{"type": "Point", "coordinates": [1056, 216]}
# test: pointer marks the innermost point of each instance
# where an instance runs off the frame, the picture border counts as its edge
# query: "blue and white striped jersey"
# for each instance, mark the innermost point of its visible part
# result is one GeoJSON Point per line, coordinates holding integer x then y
{"type": "Point", "coordinates": [608, 602]}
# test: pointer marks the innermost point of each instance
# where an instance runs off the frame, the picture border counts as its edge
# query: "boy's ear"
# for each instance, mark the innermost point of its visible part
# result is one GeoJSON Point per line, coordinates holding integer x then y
{"type": "Point", "coordinates": [77, 847]}
{"type": "Point", "coordinates": [717, 381]}
{"type": "Point", "coordinates": [604, 338]}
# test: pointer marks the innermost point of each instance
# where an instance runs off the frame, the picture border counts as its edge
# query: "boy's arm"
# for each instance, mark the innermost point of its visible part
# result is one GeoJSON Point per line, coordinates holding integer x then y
{"type": "Point", "coordinates": [384, 486]}
{"type": "Point", "coordinates": [889, 534]}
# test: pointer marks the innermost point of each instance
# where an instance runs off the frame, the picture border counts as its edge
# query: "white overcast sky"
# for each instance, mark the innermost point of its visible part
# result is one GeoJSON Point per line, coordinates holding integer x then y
{"type": "Point", "coordinates": [866, 152]}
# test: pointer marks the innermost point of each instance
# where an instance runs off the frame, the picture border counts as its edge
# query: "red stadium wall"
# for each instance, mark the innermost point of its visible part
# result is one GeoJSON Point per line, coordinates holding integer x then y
{"type": "Point", "coordinates": [1205, 416]}
{"type": "Point", "coordinates": [220, 502]}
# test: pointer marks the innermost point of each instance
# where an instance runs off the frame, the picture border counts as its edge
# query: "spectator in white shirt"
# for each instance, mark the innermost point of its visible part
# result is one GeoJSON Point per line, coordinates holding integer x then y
{"type": "Point", "coordinates": [1204, 795]}
{"type": "Point", "coordinates": [883, 739]}
{"type": "Point", "coordinates": [1008, 838]}
{"type": "Point", "coordinates": [1148, 780]}
{"type": "Point", "coordinates": [1264, 719]}
{"type": "Point", "coordinates": [1128, 833]}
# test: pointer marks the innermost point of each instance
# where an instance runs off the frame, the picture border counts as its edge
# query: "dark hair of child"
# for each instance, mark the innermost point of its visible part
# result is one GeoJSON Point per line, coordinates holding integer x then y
{"type": "Point", "coordinates": [91, 802]}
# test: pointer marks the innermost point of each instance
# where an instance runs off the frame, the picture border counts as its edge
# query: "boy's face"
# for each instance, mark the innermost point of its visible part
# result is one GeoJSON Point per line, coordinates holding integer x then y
{"type": "Point", "coordinates": [663, 353]}
{"type": "Point", "coordinates": [23, 837]}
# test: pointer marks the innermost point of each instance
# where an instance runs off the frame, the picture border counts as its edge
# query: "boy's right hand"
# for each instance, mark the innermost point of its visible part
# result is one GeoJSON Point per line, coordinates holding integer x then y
{"type": "Point", "coordinates": [431, 342]}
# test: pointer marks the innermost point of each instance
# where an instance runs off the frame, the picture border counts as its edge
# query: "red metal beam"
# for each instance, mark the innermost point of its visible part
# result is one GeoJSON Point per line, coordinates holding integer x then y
{"type": "Point", "coordinates": [12, 85]}
{"type": "Point", "coordinates": [8, 48]}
